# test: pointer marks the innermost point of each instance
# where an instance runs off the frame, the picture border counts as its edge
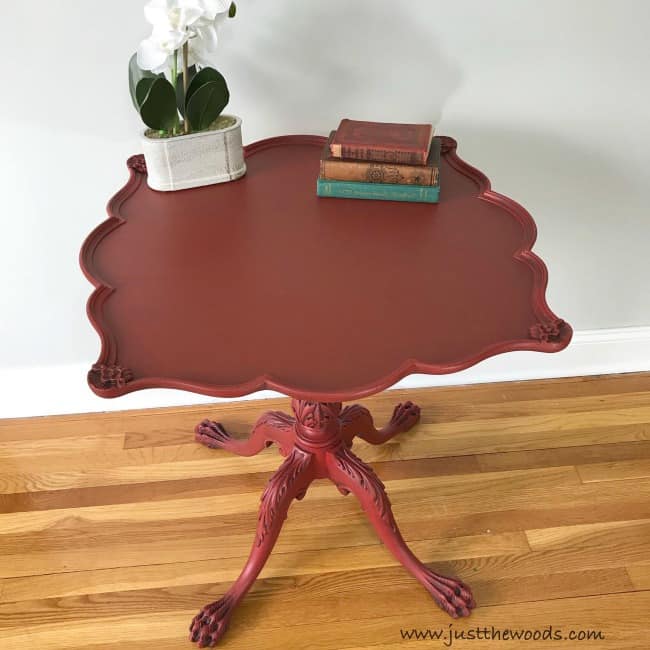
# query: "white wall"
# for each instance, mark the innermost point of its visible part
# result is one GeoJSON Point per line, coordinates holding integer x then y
{"type": "Point", "coordinates": [549, 98]}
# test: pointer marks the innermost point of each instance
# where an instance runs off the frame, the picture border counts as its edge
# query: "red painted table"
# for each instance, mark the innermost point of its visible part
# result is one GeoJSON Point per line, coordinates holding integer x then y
{"type": "Point", "coordinates": [258, 283]}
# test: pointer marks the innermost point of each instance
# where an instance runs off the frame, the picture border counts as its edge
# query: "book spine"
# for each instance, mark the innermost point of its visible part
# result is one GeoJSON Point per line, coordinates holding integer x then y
{"type": "Point", "coordinates": [368, 172]}
{"type": "Point", "coordinates": [378, 191]}
{"type": "Point", "coordinates": [380, 155]}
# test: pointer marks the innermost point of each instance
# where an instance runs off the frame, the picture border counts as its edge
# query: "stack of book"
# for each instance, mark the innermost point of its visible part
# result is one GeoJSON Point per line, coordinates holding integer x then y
{"type": "Point", "coordinates": [381, 161]}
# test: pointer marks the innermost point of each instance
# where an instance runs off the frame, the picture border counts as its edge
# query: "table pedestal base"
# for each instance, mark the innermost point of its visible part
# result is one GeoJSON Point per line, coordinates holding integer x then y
{"type": "Point", "coordinates": [316, 444]}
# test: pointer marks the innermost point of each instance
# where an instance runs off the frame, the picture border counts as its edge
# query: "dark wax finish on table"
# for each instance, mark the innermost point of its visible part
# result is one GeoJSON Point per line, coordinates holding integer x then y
{"type": "Point", "coordinates": [258, 283]}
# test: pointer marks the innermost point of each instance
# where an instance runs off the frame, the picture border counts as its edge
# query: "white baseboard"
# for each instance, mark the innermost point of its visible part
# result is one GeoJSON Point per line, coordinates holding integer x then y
{"type": "Point", "coordinates": [62, 389]}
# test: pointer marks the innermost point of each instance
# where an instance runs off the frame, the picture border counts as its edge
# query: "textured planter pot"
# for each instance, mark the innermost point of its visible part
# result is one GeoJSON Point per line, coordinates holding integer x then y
{"type": "Point", "coordinates": [196, 159]}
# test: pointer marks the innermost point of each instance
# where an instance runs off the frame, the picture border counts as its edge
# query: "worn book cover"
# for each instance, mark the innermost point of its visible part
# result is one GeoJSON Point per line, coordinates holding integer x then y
{"type": "Point", "coordinates": [365, 171]}
{"type": "Point", "coordinates": [382, 142]}
{"type": "Point", "coordinates": [378, 191]}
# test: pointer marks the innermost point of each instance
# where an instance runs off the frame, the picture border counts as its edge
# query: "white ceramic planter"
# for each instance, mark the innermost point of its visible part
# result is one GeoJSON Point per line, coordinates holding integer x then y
{"type": "Point", "coordinates": [202, 158]}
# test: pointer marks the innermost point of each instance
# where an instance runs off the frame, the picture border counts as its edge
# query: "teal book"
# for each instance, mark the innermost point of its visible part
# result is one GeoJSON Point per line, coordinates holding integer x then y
{"type": "Point", "coordinates": [378, 191]}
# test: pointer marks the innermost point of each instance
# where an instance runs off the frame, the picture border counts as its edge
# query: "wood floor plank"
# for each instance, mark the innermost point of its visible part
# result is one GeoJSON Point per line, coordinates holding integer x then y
{"type": "Point", "coordinates": [557, 456]}
{"type": "Point", "coordinates": [302, 562]}
{"type": "Point", "coordinates": [640, 575]}
{"type": "Point", "coordinates": [93, 474]}
{"type": "Point", "coordinates": [226, 546]}
{"type": "Point", "coordinates": [18, 452]}
{"type": "Point", "coordinates": [565, 428]}
{"type": "Point", "coordinates": [209, 486]}
{"type": "Point", "coordinates": [620, 470]}
{"type": "Point", "coordinates": [140, 457]}
{"type": "Point", "coordinates": [359, 594]}
{"type": "Point", "coordinates": [631, 537]}
{"type": "Point", "coordinates": [133, 492]}
{"type": "Point", "coordinates": [418, 489]}
{"type": "Point", "coordinates": [509, 436]}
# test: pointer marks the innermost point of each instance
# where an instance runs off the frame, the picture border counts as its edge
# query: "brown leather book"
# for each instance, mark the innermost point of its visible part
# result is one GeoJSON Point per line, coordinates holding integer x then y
{"type": "Point", "coordinates": [407, 144]}
{"type": "Point", "coordinates": [363, 171]}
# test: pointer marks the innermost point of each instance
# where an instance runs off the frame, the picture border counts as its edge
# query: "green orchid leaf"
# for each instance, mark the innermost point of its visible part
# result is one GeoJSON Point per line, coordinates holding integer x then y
{"type": "Point", "coordinates": [206, 103]}
{"type": "Point", "coordinates": [136, 74]}
{"type": "Point", "coordinates": [142, 90]}
{"type": "Point", "coordinates": [232, 11]}
{"type": "Point", "coordinates": [206, 75]}
{"type": "Point", "coordinates": [158, 109]}
{"type": "Point", "coordinates": [180, 96]}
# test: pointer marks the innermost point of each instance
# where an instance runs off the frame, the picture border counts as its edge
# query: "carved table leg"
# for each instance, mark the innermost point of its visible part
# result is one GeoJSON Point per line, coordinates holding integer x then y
{"type": "Point", "coordinates": [316, 443]}
{"type": "Point", "coordinates": [271, 427]}
{"type": "Point", "coordinates": [351, 474]}
{"type": "Point", "coordinates": [357, 421]}
{"type": "Point", "coordinates": [290, 482]}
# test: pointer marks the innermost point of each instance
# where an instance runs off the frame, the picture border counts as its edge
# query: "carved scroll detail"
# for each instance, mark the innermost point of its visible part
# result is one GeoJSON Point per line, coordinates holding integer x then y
{"type": "Point", "coordinates": [447, 144]}
{"type": "Point", "coordinates": [109, 376]}
{"type": "Point", "coordinates": [547, 331]}
{"type": "Point", "coordinates": [137, 163]}
{"type": "Point", "coordinates": [364, 476]}
{"type": "Point", "coordinates": [316, 415]}
{"type": "Point", "coordinates": [273, 506]}
{"type": "Point", "coordinates": [277, 419]}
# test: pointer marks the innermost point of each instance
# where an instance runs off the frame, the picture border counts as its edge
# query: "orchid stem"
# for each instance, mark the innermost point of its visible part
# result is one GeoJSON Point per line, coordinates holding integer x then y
{"type": "Point", "coordinates": [186, 56]}
{"type": "Point", "coordinates": [174, 77]}
{"type": "Point", "coordinates": [175, 69]}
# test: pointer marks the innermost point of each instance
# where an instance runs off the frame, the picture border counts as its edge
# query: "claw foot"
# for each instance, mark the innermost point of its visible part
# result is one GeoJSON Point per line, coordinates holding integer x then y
{"type": "Point", "coordinates": [212, 434]}
{"type": "Point", "coordinates": [452, 596]}
{"type": "Point", "coordinates": [405, 416]}
{"type": "Point", "coordinates": [211, 623]}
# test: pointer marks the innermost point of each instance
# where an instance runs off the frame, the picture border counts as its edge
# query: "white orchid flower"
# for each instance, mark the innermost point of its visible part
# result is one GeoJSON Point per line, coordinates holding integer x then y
{"type": "Point", "coordinates": [212, 8]}
{"type": "Point", "coordinates": [174, 23]}
{"type": "Point", "coordinates": [173, 14]}
{"type": "Point", "coordinates": [156, 51]}
{"type": "Point", "coordinates": [205, 36]}
{"type": "Point", "coordinates": [204, 45]}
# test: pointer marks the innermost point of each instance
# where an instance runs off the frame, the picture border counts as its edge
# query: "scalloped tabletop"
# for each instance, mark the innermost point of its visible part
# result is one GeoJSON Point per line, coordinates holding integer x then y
{"type": "Point", "coordinates": [258, 283]}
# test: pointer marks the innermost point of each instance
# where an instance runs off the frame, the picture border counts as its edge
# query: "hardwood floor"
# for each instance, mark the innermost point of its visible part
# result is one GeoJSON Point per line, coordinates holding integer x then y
{"type": "Point", "coordinates": [116, 528]}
